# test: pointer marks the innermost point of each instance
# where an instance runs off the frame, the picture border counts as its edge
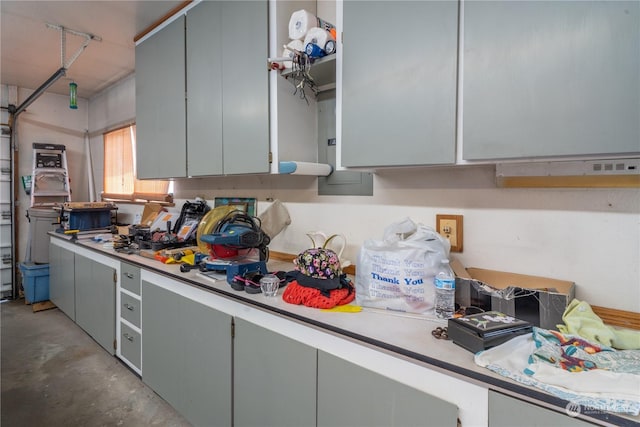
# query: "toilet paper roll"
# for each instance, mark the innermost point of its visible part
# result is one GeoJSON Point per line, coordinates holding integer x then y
{"type": "Point", "coordinates": [289, 49]}
{"type": "Point", "coordinates": [301, 21]}
{"type": "Point", "coordinates": [317, 36]}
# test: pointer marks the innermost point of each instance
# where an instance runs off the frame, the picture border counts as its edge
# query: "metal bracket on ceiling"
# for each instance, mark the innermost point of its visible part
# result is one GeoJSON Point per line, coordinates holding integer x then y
{"type": "Point", "coordinates": [64, 63]}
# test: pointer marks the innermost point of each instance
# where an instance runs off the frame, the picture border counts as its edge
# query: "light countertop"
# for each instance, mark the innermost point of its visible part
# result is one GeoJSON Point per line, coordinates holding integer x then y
{"type": "Point", "coordinates": [404, 336]}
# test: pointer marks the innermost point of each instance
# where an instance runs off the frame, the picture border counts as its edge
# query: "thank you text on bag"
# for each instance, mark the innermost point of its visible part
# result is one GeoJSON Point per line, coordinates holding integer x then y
{"type": "Point", "coordinates": [396, 273]}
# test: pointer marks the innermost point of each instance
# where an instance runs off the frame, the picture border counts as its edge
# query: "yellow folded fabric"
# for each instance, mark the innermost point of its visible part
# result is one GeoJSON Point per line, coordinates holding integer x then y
{"type": "Point", "coordinates": [579, 319]}
{"type": "Point", "coordinates": [345, 308]}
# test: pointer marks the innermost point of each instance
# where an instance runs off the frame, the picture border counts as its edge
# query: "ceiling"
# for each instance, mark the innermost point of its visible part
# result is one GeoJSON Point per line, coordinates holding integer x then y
{"type": "Point", "coordinates": [31, 52]}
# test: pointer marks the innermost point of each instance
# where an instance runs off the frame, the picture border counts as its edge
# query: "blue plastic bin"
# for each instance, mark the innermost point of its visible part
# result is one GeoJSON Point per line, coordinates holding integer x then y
{"type": "Point", "coordinates": [35, 281]}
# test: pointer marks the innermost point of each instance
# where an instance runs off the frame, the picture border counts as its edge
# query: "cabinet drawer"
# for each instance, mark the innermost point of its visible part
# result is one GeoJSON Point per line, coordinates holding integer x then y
{"type": "Point", "coordinates": [130, 309]}
{"type": "Point", "coordinates": [131, 344]}
{"type": "Point", "coordinates": [5, 213]}
{"type": "Point", "coordinates": [5, 279]}
{"type": "Point", "coordinates": [5, 147]}
{"type": "Point", "coordinates": [130, 278]}
{"type": "Point", "coordinates": [5, 257]}
{"type": "Point", "coordinates": [5, 187]}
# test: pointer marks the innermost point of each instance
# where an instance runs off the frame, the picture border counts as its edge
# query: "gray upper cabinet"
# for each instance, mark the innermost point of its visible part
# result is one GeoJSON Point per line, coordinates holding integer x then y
{"type": "Point", "coordinates": [399, 87]}
{"type": "Point", "coordinates": [551, 78]}
{"type": "Point", "coordinates": [160, 104]}
{"type": "Point", "coordinates": [202, 93]}
{"type": "Point", "coordinates": [245, 93]}
{"type": "Point", "coordinates": [204, 88]}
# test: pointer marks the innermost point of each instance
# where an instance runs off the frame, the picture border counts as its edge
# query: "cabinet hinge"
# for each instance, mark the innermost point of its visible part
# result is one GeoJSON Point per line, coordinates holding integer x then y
{"type": "Point", "coordinates": [233, 329]}
{"type": "Point", "coordinates": [270, 157]}
{"type": "Point", "coordinates": [115, 277]}
{"type": "Point", "coordinates": [115, 344]}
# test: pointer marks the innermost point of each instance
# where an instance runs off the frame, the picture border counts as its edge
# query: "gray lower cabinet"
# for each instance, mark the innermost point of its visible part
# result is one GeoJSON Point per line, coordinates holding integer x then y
{"type": "Point", "coordinates": [186, 355]}
{"type": "Point", "coordinates": [62, 280]}
{"type": "Point", "coordinates": [399, 89]}
{"type": "Point", "coordinates": [95, 296]}
{"type": "Point", "coordinates": [130, 277]}
{"type": "Point", "coordinates": [550, 78]}
{"type": "Point", "coordinates": [274, 379]}
{"type": "Point", "coordinates": [505, 411]}
{"type": "Point", "coordinates": [349, 395]}
{"type": "Point", "coordinates": [131, 345]}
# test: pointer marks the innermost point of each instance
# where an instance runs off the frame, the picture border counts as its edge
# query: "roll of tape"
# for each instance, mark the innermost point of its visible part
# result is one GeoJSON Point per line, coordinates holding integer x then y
{"type": "Point", "coordinates": [300, 22]}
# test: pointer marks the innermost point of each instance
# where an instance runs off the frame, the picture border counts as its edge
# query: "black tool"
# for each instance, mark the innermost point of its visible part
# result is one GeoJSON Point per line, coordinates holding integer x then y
{"type": "Point", "coordinates": [185, 268]}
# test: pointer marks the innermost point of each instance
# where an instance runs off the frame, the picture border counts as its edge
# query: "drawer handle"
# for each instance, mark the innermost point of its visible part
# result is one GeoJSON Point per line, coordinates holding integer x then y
{"type": "Point", "coordinates": [127, 336]}
{"type": "Point", "coordinates": [129, 306]}
{"type": "Point", "coordinates": [129, 275]}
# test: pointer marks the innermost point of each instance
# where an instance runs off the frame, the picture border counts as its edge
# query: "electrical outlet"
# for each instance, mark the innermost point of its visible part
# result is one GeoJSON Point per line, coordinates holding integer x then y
{"type": "Point", "coordinates": [450, 227]}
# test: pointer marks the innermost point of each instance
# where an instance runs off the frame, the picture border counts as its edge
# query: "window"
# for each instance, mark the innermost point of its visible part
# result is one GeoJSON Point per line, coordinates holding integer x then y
{"type": "Point", "coordinates": [120, 182]}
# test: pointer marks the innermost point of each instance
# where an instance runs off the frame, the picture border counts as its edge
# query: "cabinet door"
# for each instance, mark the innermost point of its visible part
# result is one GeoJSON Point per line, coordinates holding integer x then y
{"type": "Point", "coordinates": [204, 89]}
{"type": "Point", "coordinates": [162, 342]}
{"type": "Point", "coordinates": [274, 379]}
{"type": "Point", "coordinates": [349, 395]}
{"type": "Point", "coordinates": [399, 87]}
{"type": "Point", "coordinates": [95, 300]}
{"type": "Point", "coordinates": [245, 87]}
{"type": "Point", "coordinates": [61, 280]}
{"type": "Point", "coordinates": [160, 104]}
{"type": "Point", "coordinates": [550, 78]}
{"type": "Point", "coordinates": [506, 411]}
{"type": "Point", "coordinates": [186, 355]}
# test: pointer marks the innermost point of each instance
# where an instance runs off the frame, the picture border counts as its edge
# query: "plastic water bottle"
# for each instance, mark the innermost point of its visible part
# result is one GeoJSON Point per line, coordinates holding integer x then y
{"type": "Point", "coordinates": [445, 283]}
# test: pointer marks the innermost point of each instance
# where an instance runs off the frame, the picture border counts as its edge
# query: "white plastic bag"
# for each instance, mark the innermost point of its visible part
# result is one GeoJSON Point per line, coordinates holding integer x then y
{"type": "Point", "coordinates": [396, 273]}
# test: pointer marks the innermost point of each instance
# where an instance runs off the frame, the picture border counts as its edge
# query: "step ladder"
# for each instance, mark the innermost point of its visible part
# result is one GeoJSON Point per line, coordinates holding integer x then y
{"type": "Point", "coordinates": [50, 177]}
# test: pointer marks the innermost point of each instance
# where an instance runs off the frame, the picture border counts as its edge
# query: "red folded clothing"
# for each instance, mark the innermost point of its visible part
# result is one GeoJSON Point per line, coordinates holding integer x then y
{"type": "Point", "coordinates": [311, 297]}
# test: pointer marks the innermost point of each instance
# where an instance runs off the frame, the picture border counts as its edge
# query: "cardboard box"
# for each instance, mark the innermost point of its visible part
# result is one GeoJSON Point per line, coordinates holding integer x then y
{"type": "Point", "coordinates": [538, 300]}
{"type": "Point", "coordinates": [150, 212]}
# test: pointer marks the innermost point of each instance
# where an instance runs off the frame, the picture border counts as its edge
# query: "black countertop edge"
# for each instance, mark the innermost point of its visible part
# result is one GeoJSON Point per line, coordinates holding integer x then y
{"type": "Point", "coordinates": [499, 383]}
{"type": "Point", "coordinates": [484, 379]}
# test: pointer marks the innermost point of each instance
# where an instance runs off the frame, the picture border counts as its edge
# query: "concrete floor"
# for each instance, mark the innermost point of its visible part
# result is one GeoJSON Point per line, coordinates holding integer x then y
{"type": "Point", "coordinates": [54, 374]}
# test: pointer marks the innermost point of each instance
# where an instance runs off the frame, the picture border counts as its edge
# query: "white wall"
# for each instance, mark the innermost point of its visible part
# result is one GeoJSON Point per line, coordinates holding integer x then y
{"type": "Point", "coordinates": [49, 119]}
{"type": "Point", "coordinates": [589, 236]}
{"type": "Point", "coordinates": [110, 109]}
